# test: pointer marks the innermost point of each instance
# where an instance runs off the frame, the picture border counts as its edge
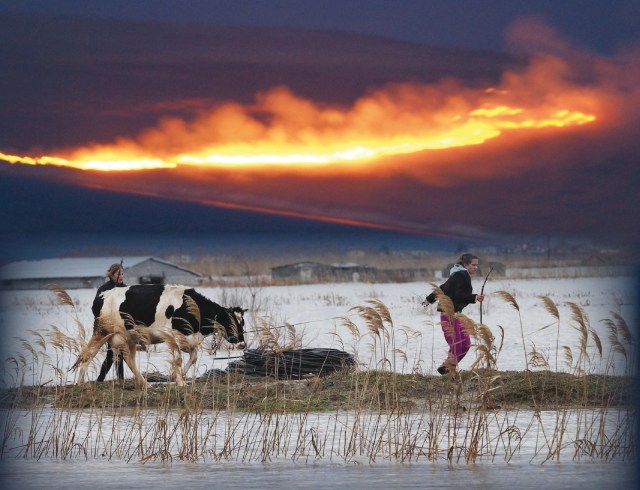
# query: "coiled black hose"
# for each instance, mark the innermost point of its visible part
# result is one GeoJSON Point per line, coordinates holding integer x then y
{"type": "Point", "coordinates": [288, 364]}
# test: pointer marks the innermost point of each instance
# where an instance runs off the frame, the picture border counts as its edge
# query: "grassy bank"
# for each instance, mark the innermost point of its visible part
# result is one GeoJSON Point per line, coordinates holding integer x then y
{"type": "Point", "coordinates": [343, 391]}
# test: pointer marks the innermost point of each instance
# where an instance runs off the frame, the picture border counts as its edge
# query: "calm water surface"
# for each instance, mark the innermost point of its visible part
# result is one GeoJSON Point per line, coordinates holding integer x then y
{"type": "Point", "coordinates": [108, 474]}
{"type": "Point", "coordinates": [110, 464]}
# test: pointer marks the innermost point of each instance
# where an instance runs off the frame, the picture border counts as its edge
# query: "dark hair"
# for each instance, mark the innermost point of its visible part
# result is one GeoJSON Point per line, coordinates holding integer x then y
{"type": "Point", "coordinates": [466, 258]}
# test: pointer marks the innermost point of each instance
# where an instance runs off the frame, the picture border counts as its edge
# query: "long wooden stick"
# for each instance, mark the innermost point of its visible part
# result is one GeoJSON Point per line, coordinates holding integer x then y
{"type": "Point", "coordinates": [482, 291]}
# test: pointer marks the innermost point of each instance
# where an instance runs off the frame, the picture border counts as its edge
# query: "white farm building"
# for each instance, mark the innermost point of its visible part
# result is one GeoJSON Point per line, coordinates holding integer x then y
{"type": "Point", "coordinates": [76, 273]}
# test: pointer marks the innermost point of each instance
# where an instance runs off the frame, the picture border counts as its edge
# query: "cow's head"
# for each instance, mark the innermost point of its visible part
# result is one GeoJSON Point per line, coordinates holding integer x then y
{"type": "Point", "coordinates": [235, 331]}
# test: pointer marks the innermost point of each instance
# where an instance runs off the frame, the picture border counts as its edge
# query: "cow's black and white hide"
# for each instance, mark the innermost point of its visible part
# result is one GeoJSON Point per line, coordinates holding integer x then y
{"type": "Point", "coordinates": [152, 314]}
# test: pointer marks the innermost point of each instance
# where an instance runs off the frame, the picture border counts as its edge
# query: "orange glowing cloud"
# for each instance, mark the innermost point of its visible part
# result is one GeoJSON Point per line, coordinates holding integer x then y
{"type": "Point", "coordinates": [284, 130]}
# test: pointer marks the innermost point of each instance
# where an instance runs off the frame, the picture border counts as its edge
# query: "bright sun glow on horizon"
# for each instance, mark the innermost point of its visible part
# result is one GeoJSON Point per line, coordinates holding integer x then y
{"type": "Point", "coordinates": [476, 127]}
{"type": "Point", "coordinates": [284, 130]}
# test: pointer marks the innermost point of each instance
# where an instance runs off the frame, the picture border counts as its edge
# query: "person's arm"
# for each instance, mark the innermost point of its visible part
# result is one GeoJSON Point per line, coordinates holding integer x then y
{"type": "Point", "coordinates": [95, 307]}
{"type": "Point", "coordinates": [97, 302]}
{"type": "Point", "coordinates": [433, 297]}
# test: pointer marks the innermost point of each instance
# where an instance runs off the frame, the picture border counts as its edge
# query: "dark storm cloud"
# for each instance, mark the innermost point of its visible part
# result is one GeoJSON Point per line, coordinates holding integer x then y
{"type": "Point", "coordinates": [72, 82]}
{"type": "Point", "coordinates": [603, 25]}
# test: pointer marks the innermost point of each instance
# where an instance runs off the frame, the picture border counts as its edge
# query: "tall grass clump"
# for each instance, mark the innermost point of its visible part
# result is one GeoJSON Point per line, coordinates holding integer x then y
{"type": "Point", "coordinates": [580, 399]}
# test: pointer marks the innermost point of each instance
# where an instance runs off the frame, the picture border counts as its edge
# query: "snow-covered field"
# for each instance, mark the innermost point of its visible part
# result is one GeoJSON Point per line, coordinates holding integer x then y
{"type": "Point", "coordinates": [317, 314]}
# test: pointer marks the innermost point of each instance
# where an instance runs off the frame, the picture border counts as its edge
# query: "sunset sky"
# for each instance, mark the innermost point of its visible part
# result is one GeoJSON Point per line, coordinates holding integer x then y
{"type": "Point", "coordinates": [410, 119]}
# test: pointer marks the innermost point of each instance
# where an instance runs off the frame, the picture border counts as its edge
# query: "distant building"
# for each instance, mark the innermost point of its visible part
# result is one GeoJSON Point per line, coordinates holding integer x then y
{"type": "Point", "coordinates": [305, 271]}
{"type": "Point", "coordinates": [308, 271]}
{"type": "Point", "coordinates": [77, 273]}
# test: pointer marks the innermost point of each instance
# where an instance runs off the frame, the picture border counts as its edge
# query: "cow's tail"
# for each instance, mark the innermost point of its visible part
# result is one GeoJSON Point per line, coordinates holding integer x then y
{"type": "Point", "coordinates": [90, 350]}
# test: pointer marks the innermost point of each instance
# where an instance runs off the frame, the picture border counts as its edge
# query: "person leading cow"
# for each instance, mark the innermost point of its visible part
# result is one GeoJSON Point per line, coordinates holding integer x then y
{"type": "Point", "coordinates": [115, 278]}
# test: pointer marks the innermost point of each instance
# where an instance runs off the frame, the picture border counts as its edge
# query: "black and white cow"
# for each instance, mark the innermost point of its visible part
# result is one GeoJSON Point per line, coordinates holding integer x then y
{"type": "Point", "coordinates": [152, 314]}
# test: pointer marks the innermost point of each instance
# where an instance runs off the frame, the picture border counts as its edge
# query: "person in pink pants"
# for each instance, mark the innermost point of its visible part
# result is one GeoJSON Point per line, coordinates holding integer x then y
{"type": "Point", "coordinates": [458, 288]}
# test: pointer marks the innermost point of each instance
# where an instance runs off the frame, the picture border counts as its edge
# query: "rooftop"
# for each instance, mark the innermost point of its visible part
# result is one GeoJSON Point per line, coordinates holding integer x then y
{"type": "Point", "coordinates": [72, 267]}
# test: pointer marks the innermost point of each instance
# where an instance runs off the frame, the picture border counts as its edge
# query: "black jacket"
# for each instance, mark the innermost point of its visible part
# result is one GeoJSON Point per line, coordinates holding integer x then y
{"type": "Point", "coordinates": [458, 288]}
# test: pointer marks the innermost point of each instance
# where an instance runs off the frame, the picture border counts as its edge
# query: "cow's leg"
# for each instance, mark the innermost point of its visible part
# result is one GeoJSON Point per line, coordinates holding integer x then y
{"type": "Point", "coordinates": [126, 347]}
{"type": "Point", "coordinates": [179, 377]}
{"type": "Point", "coordinates": [177, 366]}
{"type": "Point", "coordinates": [193, 357]}
{"type": "Point", "coordinates": [190, 346]}
{"type": "Point", "coordinates": [176, 342]}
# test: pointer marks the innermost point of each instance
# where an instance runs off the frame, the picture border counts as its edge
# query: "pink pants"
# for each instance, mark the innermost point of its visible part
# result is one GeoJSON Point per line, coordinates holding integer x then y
{"type": "Point", "coordinates": [457, 338]}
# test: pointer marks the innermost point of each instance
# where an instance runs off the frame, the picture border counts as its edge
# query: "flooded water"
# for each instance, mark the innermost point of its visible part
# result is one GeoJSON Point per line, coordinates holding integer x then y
{"type": "Point", "coordinates": [25, 474]}
{"type": "Point", "coordinates": [121, 451]}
